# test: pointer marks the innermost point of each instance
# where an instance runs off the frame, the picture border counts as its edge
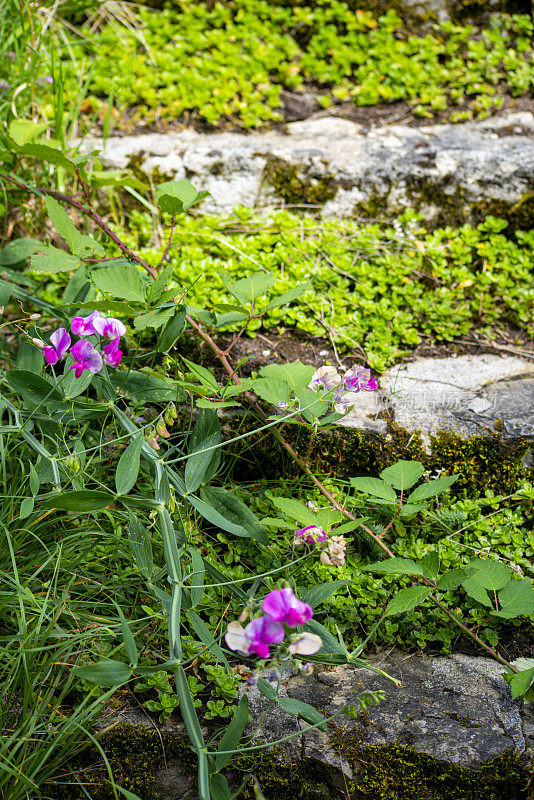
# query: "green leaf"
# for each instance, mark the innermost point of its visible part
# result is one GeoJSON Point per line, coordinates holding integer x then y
{"type": "Point", "coordinates": [146, 388]}
{"type": "Point", "coordinates": [26, 507]}
{"type": "Point", "coordinates": [219, 788]}
{"type": "Point", "coordinates": [394, 566]}
{"type": "Point", "coordinates": [198, 462]}
{"type": "Point", "coordinates": [6, 291]}
{"type": "Point", "coordinates": [32, 387]}
{"type": "Point", "coordinates": [204, 375]}
{"type": "Point", "coordinates": [189, 715]}
{"type": "Point", "coordinates": [315, 595]}
{"type": "Point", "coordinates": [175, 197]}
{"type": "Point", "coordinates": [407, 599]}
{"type": "Point", "coordinates": [71, 385]}
{"type": "Point", "coordinates": [129, 641]}
{"type": "Point", "coordinates": [18, 250]}
{"type": "Point", "coordinates": [521, 683]}
{"type": "Point", "coordinates": [268, 691]}
{"type": "Point", "coordinates": [206, 637]}
{"type": "Point", "coordinates": [128, 466]}
{"type": "Point", "coordinates": [105, 673]}
{"type": "Point", "coordinates": [272, 390]}
{"type": "Point", "coordinates": [34, 480]}
{"type": "Point", "coordinates": [141, 546]}
{"type": "Point", "coordinates": [296, 708]}
{"type": "Point", "coordinates": [83, 500]}
{"type": "Point", "coordinates": [50, 259]}
{"type": "Point", "coordinates": [197, 577]}
{"type": "Point", "coordinates": [331, 645]}
{"type": "Point", "coordinates": [153, 319]}
{"type": "Point", "coordinates": [46, 153]}
{"type": "Point", "coordinates": [312, 401]}
{"type": "Point", "coordinates": [233, 733]}
{"type": "Point", "coordinates": [403, 474]}
{"type": "Point", "coordinates": [207, 424]}
{"type": "Point", "coordinates": [288, 297]}
{"type": "Point", "coordinates": [107, 307]}
{"type": "Point", "coordinates": [491, 574]}
{"type": "Point", "coordinates": [516, 599]}
{"type": "Point", "coordinates": [295, 374]}
{"type": "Point", "coordinates": [247, 290]}
{"type": "Point", "coordinates": [477, 590]}
{"type": "Point", "coordinates": [430, 565]}
{"type": "Point", "coordinates": [23, 131]}
{"type": "Point", "coordinates": [120, 280]}
{"type": "Point", "coordinates": [295, 510]}
{"type": "Point", "coordinates": [79, 244]}
{"type": "Point", "coordinates": [212, 405]}
{"type": "Point", "coordinates": [432, 488]}
{"type": "Point", "coordinates": [172, 330]}
{"type": "Point", "coordinates": [29, 357]}
{"type": "Point", "coordinates": [375, 487]}
{"type": "Point", "coordinates": [157, 287]}
{"type": "Point", "coordinates": [453, 578]}
{"type": "Point", "coordinates": [228, 512]}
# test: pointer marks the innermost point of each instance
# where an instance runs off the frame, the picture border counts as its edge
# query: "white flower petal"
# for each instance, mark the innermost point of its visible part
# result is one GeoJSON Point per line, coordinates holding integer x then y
{"type": "Point", "coordinates": [306, 644]}
{"type": "Point", "coordinates": [235, 637]}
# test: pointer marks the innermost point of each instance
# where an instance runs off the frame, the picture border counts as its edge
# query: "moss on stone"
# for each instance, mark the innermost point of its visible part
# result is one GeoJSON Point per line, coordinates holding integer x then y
{"type": "Point", "coordinates": [481, 462]}
{"type": "Point", "coordinates": [297, 186]}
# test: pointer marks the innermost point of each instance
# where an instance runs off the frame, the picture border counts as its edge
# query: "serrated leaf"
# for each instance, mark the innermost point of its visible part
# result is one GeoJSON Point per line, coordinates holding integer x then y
{"type": "Point", "coordinates": [394, 566]}
{"type": "Point", "coordinates": [105, 673]}
{"type": "Point", "coordinates": [407, 599]}
{"type": "Point", "coordinates": [521, 684]}
{"type": "Point", "coordinates": [18, 250]}
{"type": "Point", "coordinates": [311, 403]}
{"type": "Point", "coordinates": [295, 510]}
{"type": "Point", "coordinates": [296, 374]}
{"type": "Point", "coordinates": [79, 243]}
{"type": "Point", "coordinates": [128, 466]}
{"type": "Point", "coordinates": [46, 153]}
{"type": "Point", "coordinates": [272, 390]}
{"type": "Point", "coordinates": [403, 474]}
{"type": "Point", "coordinates": [153, 319]}
{"type": "Point", "coordinates": [430, 565]}
{"type": "Point", "coordinates": [120, 280]}
{"type": "Point", "coordinates": [516, 599]}
{"type": "Point", "coordinates": [175, 197]}
{"type": "Point", "coordinates": [453, 578]}
{"type": "Point", "coordinates": [375, 487]}
{"type": "Point", "coordinates": [23, 131]}
{"type": "Point", "coordinates": [50, 259]}
{"type": "Point", "coordinates": [205, 377]}
{"type": "Point", "coordinates": [477, 590]}
{"type": "Point", "coordinates": [107, 307]}
{"type": "Point", "coordinates": [432, 488]}
{"type": "Point", "coordinates": [491, 574]}
{"type": "Point", "coordinates": [247, 290]}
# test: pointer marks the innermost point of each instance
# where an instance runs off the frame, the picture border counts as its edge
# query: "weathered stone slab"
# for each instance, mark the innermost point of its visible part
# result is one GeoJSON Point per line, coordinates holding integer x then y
{"type": "Point", "coordinates": [470, 394]}
{"type": "Point", "coordinates": [450, 172]}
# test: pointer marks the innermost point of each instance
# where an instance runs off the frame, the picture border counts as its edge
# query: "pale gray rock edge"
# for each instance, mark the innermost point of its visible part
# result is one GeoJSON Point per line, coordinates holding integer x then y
{"type": "Point", "coordinates": [391, 165]}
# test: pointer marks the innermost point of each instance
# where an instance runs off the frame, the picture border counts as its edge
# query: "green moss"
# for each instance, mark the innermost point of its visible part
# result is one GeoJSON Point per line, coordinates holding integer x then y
{"type": "Point", "coordinates": [296, 186]}
{"type": "Point", "coordinates": [481, 462]}
{"type": "Point", "coordinates": [398, 772]}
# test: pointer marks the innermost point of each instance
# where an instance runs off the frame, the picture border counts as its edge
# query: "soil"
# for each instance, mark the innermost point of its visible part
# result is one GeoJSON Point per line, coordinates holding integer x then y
{"type": "Point", "coordinates": [297, 106]}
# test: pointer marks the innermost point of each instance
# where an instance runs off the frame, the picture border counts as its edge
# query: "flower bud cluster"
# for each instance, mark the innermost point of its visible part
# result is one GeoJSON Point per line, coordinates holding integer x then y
{"type": "Point", "coordinates": [344, 389]}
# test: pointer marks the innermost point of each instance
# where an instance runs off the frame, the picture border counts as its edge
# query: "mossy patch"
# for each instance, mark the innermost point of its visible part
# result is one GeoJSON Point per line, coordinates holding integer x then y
{"type": "Point", "coordinates": [297, 186]}
{"type": "Point", "coordinates": [481, 462]}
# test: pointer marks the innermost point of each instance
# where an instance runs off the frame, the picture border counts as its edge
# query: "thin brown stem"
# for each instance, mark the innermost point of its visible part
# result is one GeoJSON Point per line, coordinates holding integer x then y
{"type": "Point", "coordinates": [169, 242]}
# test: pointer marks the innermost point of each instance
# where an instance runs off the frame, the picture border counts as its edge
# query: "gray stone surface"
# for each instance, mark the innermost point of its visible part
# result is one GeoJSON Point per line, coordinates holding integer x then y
{"type": "Point", "coordinates": [456, 708]}
{"type": "Point", "coordinates": [466, 394]}
{"type": "Point", "coordinates": [394, 166]}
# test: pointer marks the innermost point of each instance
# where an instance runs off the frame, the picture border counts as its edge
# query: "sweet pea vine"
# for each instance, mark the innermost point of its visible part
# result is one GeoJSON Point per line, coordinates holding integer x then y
{"type": "Point", "coordinates": [343, 390]}
{"type": "Point", "coordinates": [84, 354]}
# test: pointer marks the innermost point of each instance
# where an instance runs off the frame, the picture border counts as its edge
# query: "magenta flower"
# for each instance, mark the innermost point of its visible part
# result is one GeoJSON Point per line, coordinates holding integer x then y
{"type": "Point", "coordinates": [84, 326]}
{"type": "Point", "coordinates": [85, 357]}
{"type": "Point", "coordinates": [112, 354]}
{"type": "Point", "coordinates": [110, 327]}
{"type": "Point", "coordinates": [312, 534]}
{"type": "Point", "coordinates": [283, 606]}
{"type": "Point", "coordinates": [60, 344]}
{"type": "Point", "coordinates": [256, 638]}
{"type": "Point", "coordinates": [359, 378]}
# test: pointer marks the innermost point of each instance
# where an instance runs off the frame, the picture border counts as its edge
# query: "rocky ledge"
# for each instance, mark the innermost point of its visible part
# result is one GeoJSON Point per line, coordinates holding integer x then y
{"type": "Point", "coordinates": [451, 173]}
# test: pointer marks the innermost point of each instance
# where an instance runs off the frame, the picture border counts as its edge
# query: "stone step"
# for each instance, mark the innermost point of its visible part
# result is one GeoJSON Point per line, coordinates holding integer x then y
{"type": "Point", "coordinates": [451, 173]}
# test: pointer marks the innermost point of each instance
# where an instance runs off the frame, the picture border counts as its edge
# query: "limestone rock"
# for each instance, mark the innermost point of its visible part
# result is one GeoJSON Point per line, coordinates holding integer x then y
{"type": "Point", "coordinates": [449, 172]}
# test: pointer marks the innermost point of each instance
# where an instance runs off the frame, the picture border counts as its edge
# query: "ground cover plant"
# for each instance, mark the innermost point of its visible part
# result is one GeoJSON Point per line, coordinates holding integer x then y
{"type": "Point", "coordinates": [229, 62]}
{"type": "Point", "coordinates": [170, 566]}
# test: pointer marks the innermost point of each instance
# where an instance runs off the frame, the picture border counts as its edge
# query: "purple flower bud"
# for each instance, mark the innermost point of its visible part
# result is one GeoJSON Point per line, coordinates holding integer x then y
{"type": "Point", "coordinates": [112, 354]}
{"type": "Point", "coordinates": [60, 344]}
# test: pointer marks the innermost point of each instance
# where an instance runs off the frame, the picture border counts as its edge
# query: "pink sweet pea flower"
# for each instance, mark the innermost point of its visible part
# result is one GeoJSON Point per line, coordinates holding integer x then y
{"type": "Point", "coordinates": [283, 606]}
{"type": "Point", "coordinates": [326, 378]}
{"type": "Point", "coordinates": [84, 326]}
{"type": "Point", "coordinates": [311, 534]}
{"type": "Point", "coordinates": [110, 327]}
{"type": "Point", "coordinates": [256, 638]}
{"type": "Point", "coordinates": [112, 354]}
{"type": "Point", "coordinates": [359, 378]}
{"type": "Point", "coordinates": [85, 357]}
{"type": "Point", "coordinates": [60, 344]}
